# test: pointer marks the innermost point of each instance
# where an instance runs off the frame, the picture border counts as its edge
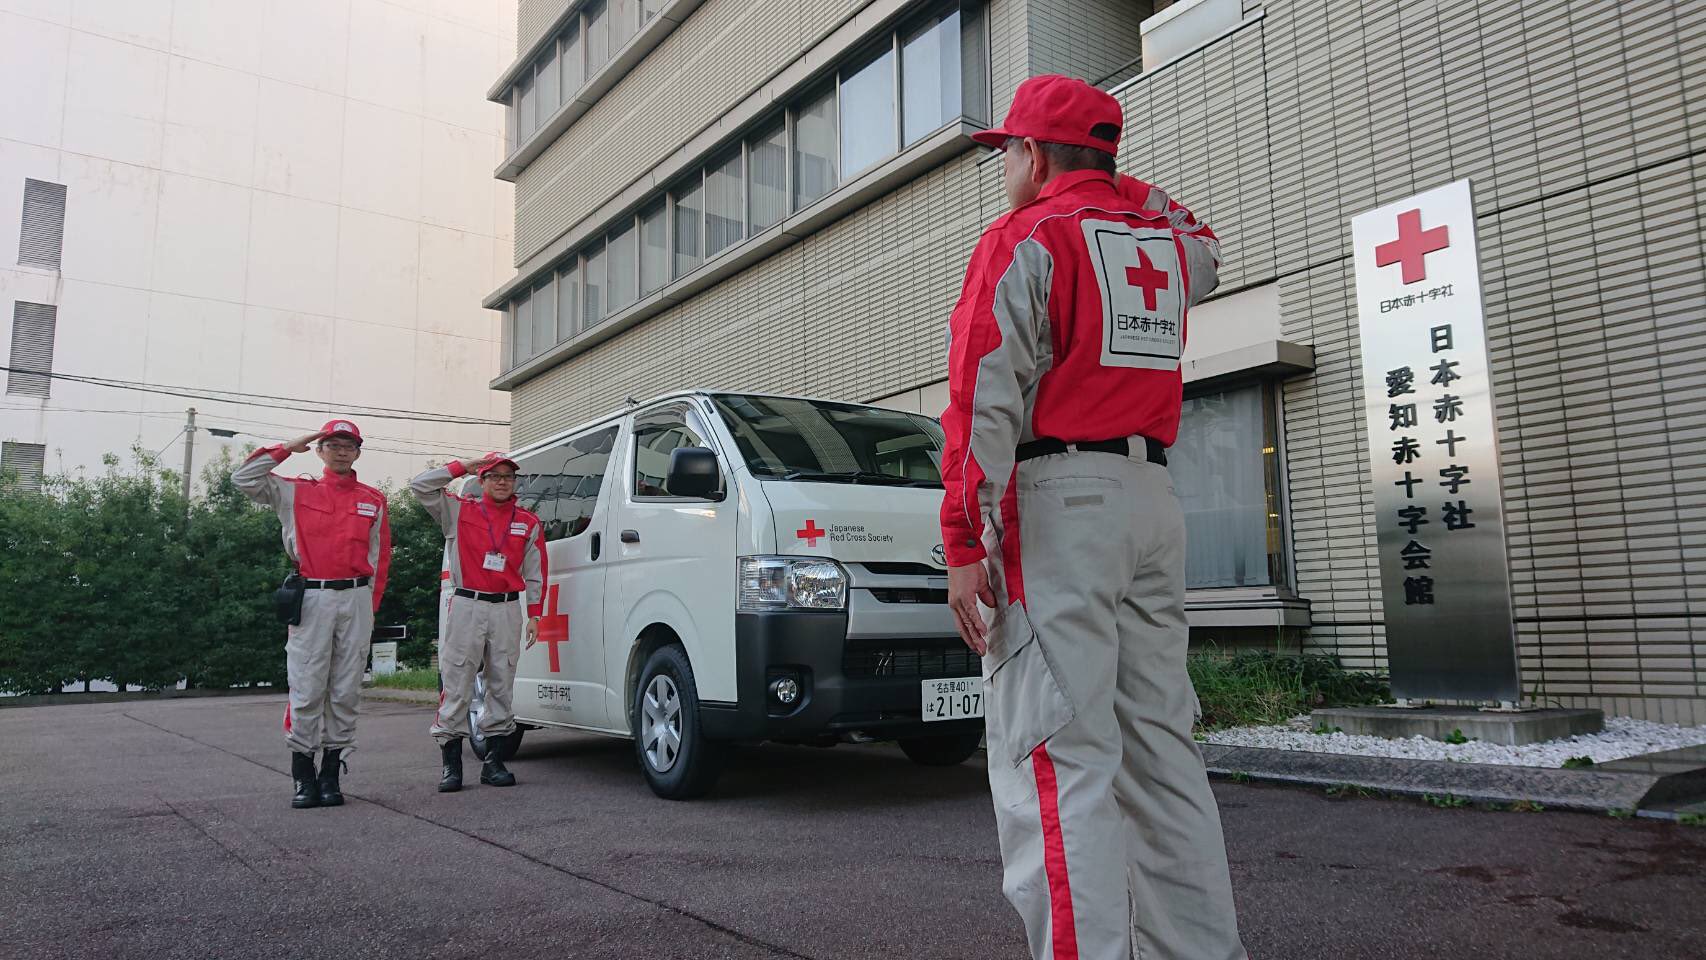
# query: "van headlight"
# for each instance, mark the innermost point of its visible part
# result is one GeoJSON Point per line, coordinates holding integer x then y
{"type": "Point", "coordinates": [778, 583]}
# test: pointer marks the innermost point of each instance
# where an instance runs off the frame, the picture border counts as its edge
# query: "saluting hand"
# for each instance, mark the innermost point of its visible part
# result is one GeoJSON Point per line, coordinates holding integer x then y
{"type": "Point", "coordinates": [967, 586]}
{"type": "Point", "coordinates": [473, 464]}
{"type": "Point", "coordinates": [301, 444]}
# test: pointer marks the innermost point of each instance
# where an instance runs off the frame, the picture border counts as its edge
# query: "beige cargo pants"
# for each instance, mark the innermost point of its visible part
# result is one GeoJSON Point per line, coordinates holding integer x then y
{"type": "Point", "coordinates": [325, 657]}
{"type": "Point", "coordinates": [478, 636]}
{"type": "Point", "coordinates": [1110, 839]}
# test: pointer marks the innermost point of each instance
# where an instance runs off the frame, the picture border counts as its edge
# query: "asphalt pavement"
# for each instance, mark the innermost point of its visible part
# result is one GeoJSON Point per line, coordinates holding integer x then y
{"type": "Point", "coordinates": [163, 829]}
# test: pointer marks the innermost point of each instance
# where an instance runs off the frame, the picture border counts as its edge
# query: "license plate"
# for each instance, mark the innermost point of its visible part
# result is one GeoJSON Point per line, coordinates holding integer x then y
{"type": "Point", "coordinates": [958, 699]}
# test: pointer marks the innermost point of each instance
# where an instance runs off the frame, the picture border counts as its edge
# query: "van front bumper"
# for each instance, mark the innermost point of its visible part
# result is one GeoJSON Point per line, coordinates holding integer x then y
{"type": "Point", "coordinates": [863, 686]}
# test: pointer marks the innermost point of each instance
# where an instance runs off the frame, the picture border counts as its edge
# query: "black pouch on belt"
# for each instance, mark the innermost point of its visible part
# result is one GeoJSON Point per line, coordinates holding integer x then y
{"type": "Point", "coordinates": [287, 599]}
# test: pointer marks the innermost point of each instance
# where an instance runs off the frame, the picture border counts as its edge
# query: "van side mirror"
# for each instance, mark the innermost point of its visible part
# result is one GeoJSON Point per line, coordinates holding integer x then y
{"type": "Point", "coordinates": [693, 473]}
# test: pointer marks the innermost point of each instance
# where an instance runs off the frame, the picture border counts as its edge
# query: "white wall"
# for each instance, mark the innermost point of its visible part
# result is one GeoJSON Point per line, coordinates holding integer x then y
{"type": "Point", "coordinates": [285, 197]}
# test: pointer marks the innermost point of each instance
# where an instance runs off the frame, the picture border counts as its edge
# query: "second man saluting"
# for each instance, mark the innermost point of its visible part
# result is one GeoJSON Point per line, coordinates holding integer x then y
{"type": "Point", "coordinates": [497, 558]}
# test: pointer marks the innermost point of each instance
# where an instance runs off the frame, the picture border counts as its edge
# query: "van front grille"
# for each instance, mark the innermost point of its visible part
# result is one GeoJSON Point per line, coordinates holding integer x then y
{"type": "Point", "coordinates": [926, 659]}
{"type": "Point", "coordinates": [908, 595]}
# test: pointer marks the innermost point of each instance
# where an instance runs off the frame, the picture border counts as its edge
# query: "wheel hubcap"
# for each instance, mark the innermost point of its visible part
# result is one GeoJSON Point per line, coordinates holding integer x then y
{"type": "Point", "coordinates": [660, 723]}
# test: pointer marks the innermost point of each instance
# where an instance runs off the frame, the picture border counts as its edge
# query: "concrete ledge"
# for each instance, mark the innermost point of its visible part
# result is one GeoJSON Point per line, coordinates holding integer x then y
{"type": "Point", "coordinates": [1437, 723]}
{"type": "Point", "coordinates": [394, 695]}
{"type": "Point", "coordinates": [1586, 789]}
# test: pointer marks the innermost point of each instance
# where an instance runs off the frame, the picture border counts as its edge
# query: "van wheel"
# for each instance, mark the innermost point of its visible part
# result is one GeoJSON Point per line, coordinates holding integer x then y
{"type": "Point", "coordinates": [942, 751]}
{"type": "Point", "coordinates": [669, 740]}
{"type": "Point", "coordinates": [477, 740]}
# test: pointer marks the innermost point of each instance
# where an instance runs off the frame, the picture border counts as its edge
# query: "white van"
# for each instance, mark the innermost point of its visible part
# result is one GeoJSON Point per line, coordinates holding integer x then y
{"type": "Point", "coordinates": [739, 567]}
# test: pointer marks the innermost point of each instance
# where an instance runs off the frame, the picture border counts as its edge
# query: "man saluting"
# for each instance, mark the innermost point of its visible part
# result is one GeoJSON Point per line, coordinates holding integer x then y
{"type": "Point", "coordinates": [337, 532]}
{"type": "Point", "coordinates": [497, 554]}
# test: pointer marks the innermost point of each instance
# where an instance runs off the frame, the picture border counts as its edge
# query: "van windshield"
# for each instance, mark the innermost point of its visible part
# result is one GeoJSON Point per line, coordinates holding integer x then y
{"type": "Point", "coordinates": [811, 440]}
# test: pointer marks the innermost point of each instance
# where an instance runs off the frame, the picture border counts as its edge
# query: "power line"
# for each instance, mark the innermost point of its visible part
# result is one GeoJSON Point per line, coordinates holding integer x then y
{"type": "Point", "coordinates": [448, 448]}
{"type": "Point", "coordinates": [290, 403]}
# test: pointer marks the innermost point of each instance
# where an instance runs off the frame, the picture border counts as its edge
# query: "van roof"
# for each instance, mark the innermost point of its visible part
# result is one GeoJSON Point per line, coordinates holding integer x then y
{"type": "Point", "coordinates": [661, 398]}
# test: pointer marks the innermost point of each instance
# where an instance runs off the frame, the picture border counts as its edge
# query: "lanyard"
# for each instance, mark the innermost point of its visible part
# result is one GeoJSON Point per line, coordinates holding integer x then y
{"type": "Point", "coordinates": [490, 533]}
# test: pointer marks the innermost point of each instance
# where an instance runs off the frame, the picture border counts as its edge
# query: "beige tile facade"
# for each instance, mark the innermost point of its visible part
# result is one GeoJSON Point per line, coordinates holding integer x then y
{"type": "Point", "coordinates": [1580, 127]}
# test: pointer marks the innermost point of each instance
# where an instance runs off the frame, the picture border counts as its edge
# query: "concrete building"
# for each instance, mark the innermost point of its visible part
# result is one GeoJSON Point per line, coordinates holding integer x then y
{"type": "Point", "coordinates": [266, 198]}
{"type": "Point", "coordinates": [781, 196]}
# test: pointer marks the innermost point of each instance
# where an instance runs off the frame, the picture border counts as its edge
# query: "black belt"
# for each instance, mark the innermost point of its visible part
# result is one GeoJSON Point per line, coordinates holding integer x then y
{"type": "Point", "coordinates": [337, 584]}
{"type": "Point", "coordinates": [488, 597]}
{"type": "Point", "coordinates": [1153, 450]}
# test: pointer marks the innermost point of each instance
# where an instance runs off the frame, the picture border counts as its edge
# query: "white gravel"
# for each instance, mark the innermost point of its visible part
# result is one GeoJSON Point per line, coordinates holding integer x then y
{"type": "Point", "coordinates": [1622, 737]}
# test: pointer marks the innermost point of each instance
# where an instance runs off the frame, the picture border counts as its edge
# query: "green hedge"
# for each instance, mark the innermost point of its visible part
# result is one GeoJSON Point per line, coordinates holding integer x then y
{"type": "Point", "coordinates": [111, 578]}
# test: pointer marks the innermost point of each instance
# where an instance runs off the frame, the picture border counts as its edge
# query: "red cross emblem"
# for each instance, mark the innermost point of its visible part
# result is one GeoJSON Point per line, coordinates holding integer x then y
{"type": "Point", "coordinates": [1147, 278]}
{"type": "Point", "coordinates": [1412, 246]}
{"type": "Point", "coordinates": [553, 626]}
{"type": "Point", "coordinates": [810, 534]}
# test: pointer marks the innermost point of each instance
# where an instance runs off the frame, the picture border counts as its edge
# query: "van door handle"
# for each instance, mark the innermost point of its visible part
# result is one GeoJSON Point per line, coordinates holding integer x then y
{"type": "Point", "coordinates": [596, 543]}
{"type": "Point", "coordinates": [630, 536]}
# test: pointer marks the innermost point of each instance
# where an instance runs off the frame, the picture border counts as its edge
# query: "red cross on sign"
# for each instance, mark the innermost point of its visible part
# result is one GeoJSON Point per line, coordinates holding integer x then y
{"type": "Point", "coordinates": [553, 626]}
{"type": "Point", "coordinates": [1146, 277]}
{"type": "Point", "coordinates": [1412, 246]}
{"type": "Point", "coordinates": [810, 534]}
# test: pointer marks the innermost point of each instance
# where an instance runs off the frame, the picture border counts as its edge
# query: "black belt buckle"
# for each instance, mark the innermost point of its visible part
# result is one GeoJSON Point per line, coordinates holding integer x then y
{"type": "Point", "coordinates": [487, 597]}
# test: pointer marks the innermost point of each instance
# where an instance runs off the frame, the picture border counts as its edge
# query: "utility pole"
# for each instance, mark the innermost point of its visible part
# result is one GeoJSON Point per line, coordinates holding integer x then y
{"type": "Point", "coordinates": [189, 455]}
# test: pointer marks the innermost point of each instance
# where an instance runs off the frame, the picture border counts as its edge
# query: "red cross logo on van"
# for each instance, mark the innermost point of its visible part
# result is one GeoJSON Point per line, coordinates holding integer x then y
{"type": "Point", "coordinates": [553, 626]}
{"type": "Point", "coordinates": [811, 533]}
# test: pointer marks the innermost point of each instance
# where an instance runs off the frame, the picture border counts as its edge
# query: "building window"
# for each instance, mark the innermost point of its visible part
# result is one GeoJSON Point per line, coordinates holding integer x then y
{"type": "Point", "coordinates": [597, 37]}
{"type": "Point", "coordinates": [624, 22]}
{"type": "Point", "coordinates": [544, 316]}
{"type": "Point", "coordinates": [689, 236]}
{"type": "Point", "coordinates": [568, 301]}
{"type": "Point", "coordinates": [654, 247]}
{"type": "Point", "coordinates": [767, 177]}
{"type": "Point", "coordinates": [550, 90]}
{"type": "Point", "coordinates": [43, 232]}
{"type": "Point", "coordinates": [525, 98]}
{"type": "Point", "coordinates": [32, 349]}
{"type": "Point", "coordinates": [930, 76]}
{"type": "Point", "coordinates": [814, 149]}
{"type": "Point", "coordinates": [521, 342]}
{"type": "Point", "coordinates": [24, 461]}
{"type": "Point", "coordinates": [1225, 466]}
{"type": "Point", "coordinates": [573, 73]}
{"type": "Point", "coordinates": [650, 8]}
{"type": "Point", "coordinates": [622, 254]}
{"type": "Point", "coordinates": [867, 113]}
{"type": "Point", "coordinates": [725, 223]}
{"type": "Point", "coordinates": [594, 280]}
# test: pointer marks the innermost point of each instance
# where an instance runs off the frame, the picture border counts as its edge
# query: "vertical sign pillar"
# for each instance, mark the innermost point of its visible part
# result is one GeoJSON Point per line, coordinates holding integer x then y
{"type": "Point", "coordinates": [1433, 450]}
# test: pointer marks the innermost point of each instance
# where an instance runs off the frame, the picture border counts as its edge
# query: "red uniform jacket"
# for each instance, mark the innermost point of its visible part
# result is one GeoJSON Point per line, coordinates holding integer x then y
{"type": "Point", "coordinates": [1070, 326]}
{"type": "Point", "coordinates": [476, 526]}
{"type": "Point", "coordinates": [335, 528]}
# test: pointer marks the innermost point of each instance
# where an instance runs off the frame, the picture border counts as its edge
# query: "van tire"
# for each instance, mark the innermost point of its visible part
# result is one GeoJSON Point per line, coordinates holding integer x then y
{"type": "Point", "coordinates": [945, 751]}
{"type": "Point", "coordinates": [692, 767]}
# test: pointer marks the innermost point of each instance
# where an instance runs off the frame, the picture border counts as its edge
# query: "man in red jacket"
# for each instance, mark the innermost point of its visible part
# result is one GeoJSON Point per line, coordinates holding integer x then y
{"type": "Point", "coordinates": [1064, 393]}
{"type": "Point", "coordinates": [337, 532]}
{"type": "Point", "coordinates": [497, 555]}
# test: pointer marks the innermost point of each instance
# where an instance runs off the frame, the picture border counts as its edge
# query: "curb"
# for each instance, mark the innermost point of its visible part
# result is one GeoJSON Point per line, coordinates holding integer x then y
{"type": "Point", "coordinates": [1590, 789]}
{"type": "Point", "coordinates": [395, 695]}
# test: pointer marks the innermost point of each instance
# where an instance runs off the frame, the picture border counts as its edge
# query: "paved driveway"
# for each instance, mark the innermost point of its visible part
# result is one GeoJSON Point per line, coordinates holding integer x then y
{"type": "Point", "coordinates": [163, 829]}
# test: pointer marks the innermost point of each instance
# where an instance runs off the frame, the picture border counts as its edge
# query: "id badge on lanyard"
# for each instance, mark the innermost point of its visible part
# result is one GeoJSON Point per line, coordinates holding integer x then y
{"type": "Point", "coordinates": [495, 559]}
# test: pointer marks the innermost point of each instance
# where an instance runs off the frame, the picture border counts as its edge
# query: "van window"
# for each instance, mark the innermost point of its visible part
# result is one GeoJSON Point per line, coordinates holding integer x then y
{"type": "Point", "coordinates": [561, 483]}
{"type": "Point", "coordinates": [657, 434]}
{"type": "Point", "coordinates": [785, 438]}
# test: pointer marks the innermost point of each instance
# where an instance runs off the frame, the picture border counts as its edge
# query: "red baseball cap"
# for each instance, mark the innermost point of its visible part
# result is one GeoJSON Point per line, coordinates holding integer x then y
{"type": "Point", "coordinates": [497, 460]}
{"type": "Point", "coordinates": [340, 428]}
{"type": "Point", "coordinates": [1057, 109]}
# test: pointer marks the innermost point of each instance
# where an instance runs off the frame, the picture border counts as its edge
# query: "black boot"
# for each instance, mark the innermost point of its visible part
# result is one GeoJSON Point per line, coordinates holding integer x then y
{"type": "Point", "coordinates": [330, 795]}
{"type": "Point", "coordinates": [450, 780]}
{"type": "Point", "coordinates": [307, 787]}
{"type": "Point", "coordinates": [493, 773]}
